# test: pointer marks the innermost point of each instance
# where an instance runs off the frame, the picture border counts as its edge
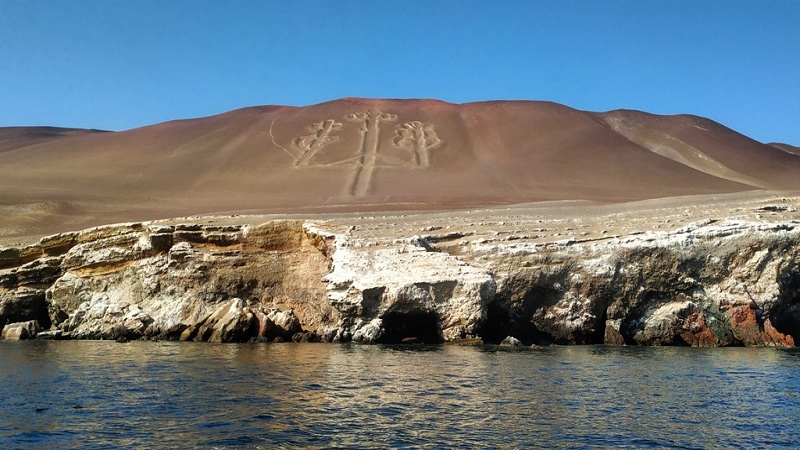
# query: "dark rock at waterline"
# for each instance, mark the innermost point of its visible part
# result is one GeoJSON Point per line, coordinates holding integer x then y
{"type": "Point", "coordinates": [173, 333]}
{"type": "Point", "coordinates": [306, 336]}
{"type": "Point", "coordinates": [53, 335]}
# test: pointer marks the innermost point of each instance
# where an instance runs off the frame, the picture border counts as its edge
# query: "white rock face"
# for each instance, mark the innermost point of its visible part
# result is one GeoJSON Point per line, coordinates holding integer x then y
{"type": "Point", "coordinates": [366, 284]}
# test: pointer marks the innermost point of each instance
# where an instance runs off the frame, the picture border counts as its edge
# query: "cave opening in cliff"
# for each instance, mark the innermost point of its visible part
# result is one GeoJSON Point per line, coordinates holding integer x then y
{"type": "Point", "coordinates": [501, 323]}
{"type": "Point", "coordinates": [785, 316]}
{"type": "Point", "coordinates": [504, 319]}
{"type": "Point", "coordinates": [410, 327]}
{"type": "Point", "coordinates": [786, 319]}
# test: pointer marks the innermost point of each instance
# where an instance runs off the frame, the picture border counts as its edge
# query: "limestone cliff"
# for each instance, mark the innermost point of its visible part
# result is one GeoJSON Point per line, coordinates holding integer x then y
{"type": "Point", "coordinates": [707, 283]}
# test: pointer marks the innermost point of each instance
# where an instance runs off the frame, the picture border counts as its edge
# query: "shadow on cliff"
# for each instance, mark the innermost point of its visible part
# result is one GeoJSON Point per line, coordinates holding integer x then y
{"type": "Point", "coordinates": [411, 327]}
{"type": "Point", "coordinates": [519, 319]}
{"type": "Point", "coordinates": [785, 316]}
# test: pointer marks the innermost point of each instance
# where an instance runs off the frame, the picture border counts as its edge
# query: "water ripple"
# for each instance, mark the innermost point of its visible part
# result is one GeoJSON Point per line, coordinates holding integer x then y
{"type": "Point", "coordinates": [184, 395]}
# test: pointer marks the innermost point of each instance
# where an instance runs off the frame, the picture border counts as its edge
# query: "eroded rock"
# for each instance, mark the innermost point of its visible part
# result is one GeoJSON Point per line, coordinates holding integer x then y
{"type": "Point", "coordinates": [709, 283]}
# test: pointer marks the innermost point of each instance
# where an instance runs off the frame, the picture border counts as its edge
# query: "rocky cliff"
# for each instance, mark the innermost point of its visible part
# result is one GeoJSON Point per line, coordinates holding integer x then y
{"type": "Point", "coordinates": [709, 282]}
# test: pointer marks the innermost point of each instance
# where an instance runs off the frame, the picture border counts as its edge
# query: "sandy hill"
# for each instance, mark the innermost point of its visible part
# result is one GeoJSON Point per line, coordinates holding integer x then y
{"type": "Point", "coordinates": [359, 154]}
{"type": "Point", "coordinates": [786, 147]}
{"type": "Point", "coordinates": [15, 137]}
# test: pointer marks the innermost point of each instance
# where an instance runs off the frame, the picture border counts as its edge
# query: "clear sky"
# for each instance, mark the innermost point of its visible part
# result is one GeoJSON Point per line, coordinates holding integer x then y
{"type": "Point", "coordinates": [116, 65]}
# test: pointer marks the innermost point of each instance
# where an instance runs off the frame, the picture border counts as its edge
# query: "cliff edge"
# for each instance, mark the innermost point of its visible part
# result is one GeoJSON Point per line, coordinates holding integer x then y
{"type": "Point", "coordinates": [707, 271]}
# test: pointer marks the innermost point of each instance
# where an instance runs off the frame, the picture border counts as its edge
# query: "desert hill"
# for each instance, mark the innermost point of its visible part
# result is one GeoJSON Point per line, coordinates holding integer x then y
{"type": "Point", "coordinates": [786, 147]}
{"type": "Point", "coordinates": [359, 154]}
{"type": "Point", "coordinates": [15, 137]}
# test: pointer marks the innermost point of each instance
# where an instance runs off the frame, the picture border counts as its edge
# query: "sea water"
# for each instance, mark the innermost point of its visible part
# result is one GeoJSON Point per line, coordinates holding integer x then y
{"type": "Point", "coordinates": [84, 394]}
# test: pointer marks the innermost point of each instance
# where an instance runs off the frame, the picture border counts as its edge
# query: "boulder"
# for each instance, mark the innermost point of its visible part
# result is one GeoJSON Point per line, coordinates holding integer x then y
{"type": "Point", "coordinates": [232, 321]}
{"type": "Point", "coordinates": [283, 323]}
{"type": "Point", "coordinates": [511, 341]}
{"type": "Point", "coordinates": [20, 331]}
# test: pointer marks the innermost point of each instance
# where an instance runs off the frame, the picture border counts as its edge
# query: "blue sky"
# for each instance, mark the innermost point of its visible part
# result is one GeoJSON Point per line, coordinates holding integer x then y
{"type": "Point", "coordinates": [116, 65]}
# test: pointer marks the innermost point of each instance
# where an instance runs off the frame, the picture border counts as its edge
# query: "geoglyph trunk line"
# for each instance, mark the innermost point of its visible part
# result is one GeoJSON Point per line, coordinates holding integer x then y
{"type": "Point", "coordinates": [370, 133]}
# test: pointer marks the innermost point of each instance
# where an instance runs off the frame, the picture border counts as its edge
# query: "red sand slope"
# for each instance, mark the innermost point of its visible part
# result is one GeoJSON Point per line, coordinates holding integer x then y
{"type": "Point", "coordinates": [357, 154]}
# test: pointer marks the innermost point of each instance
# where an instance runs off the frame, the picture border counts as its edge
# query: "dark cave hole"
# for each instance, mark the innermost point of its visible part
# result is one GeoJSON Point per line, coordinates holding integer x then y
{"type": "Point", "coordinates": [400, 327]}
{"type": "Point", "coordinates": [501, 323]}
{"type": "Point", "coordinates": [785, 316]}
{"type": "Point", "coordinates": [786, 319]}
{"type": "Point", "coordinates": [498, 325]}
{"type": "Point", "coordinates": [23, 310]}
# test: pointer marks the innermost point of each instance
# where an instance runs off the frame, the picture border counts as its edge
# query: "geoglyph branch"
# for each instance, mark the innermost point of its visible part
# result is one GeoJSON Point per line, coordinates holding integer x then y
{"type": "Point", "coordinates": [321, 135]}
{"type": "Point", "coordinates": [418, 138]}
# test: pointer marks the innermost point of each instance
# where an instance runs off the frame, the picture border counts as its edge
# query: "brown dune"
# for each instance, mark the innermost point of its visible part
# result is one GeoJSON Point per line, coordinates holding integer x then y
{"type": "Point", "coordinates": [786, 147]}
{"type": "Point", "coordinates": [708, 147]}
{"type": "Point", "coordinates": [15, 137]}
{"type": "Point", "coordinates": [358, 154]}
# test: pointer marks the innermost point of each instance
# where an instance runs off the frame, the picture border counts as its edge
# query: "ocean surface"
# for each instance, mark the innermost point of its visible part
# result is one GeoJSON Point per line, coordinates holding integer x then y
{"type": "Point", "coordinates": [83, 394]}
